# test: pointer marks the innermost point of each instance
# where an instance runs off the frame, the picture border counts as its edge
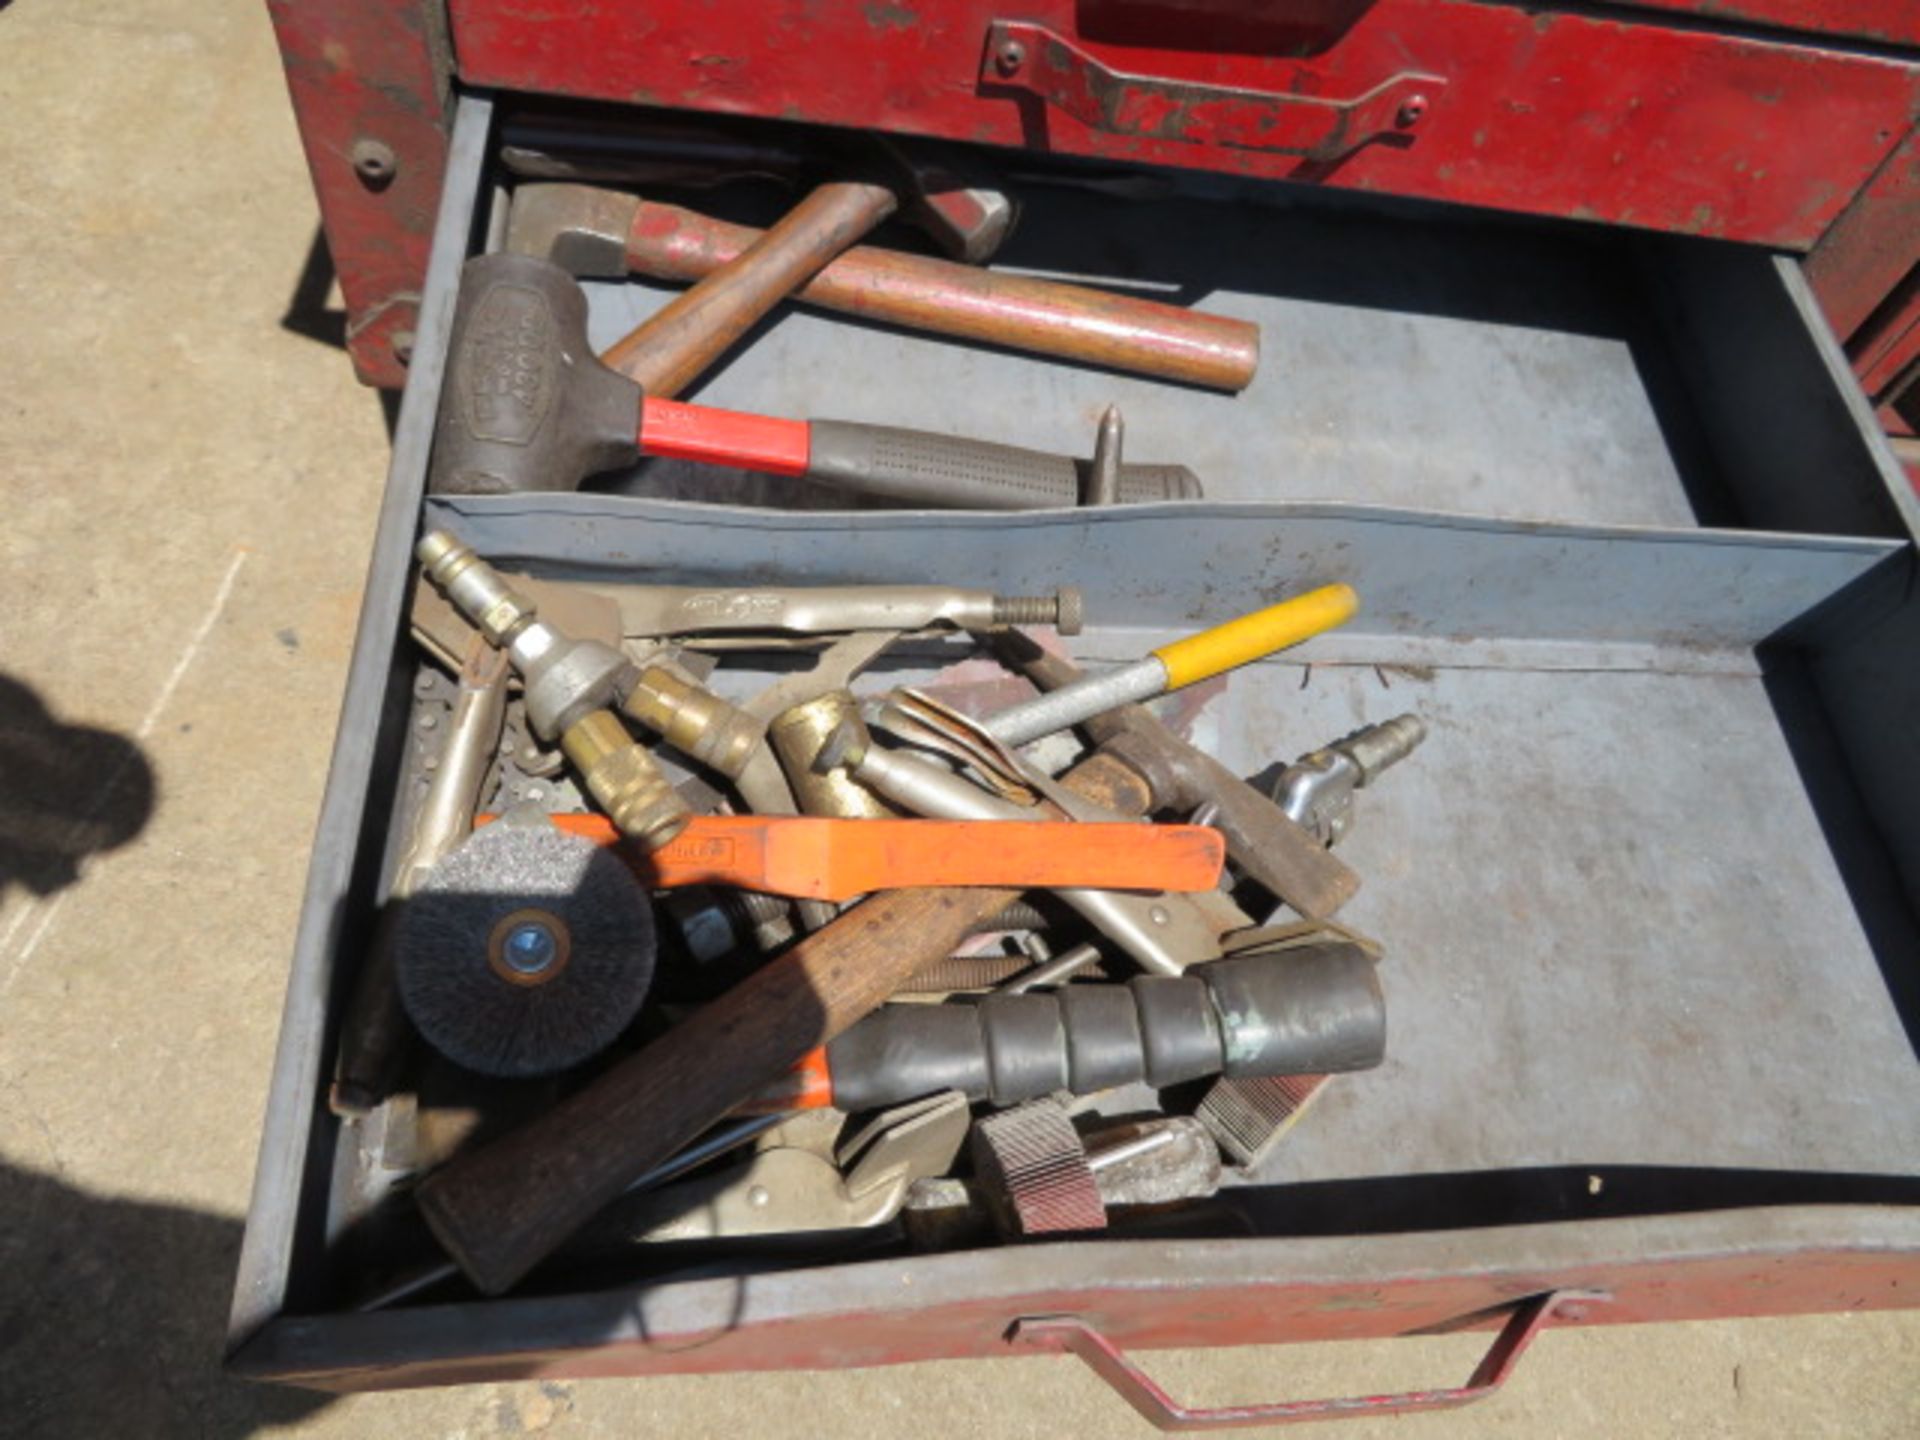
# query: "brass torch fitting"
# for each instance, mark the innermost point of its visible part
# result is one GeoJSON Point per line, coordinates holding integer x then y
{"type": "Point", "coordinates": [624, 779]}
{"type": "Point", "coordinates": [800, 734]}
{"type": "Point", "coordinates": [692, 719]}
{"type": "Point", "coordinates": [568, 685]}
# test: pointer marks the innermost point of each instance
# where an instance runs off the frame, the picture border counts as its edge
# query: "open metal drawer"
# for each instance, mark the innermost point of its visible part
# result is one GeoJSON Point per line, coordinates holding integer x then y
{"type": "Point", "coordinates": [1625, 536]}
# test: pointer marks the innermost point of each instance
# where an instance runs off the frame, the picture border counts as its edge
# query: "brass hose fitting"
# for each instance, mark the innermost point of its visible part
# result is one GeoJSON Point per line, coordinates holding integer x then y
{"type": "Point", "coordinates": [799, 735]}
{"type": "Point", "coordinates": [692, 719]}
{"type": "Point", "coordinates": [624, 779]}
{"type": "Point", "coordinates": [568, 685]}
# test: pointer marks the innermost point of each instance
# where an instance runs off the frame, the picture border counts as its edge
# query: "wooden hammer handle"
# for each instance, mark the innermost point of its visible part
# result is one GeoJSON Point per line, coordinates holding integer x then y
{"type": "Point", "coordinates": [1044, 317]}
{"type": "Point", "coordinates": [501, 1209]}
{"type": "Point", "coordinates": [668, 351]}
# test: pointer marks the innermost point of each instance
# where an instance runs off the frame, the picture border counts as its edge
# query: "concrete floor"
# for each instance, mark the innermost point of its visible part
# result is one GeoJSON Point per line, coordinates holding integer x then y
{"type": "Point", "coordinates": [190, 486]}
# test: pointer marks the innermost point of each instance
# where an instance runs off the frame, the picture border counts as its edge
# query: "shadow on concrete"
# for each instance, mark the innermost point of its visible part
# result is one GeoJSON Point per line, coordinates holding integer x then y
{"type": "Point", "coordinates": [112, 1318]}
{"type": "Point", "coordinates": [66, 792]}
{"type": "Point", "coordinates": [308, 315]}
{"type": "Point", "coordinates": [307, 312]}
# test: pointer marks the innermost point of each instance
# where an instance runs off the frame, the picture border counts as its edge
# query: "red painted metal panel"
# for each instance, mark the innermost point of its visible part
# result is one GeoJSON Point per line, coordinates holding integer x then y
{"type": "Point", "coordinates": [367, 85]}
{"type": "Point", "coordinates": [1873, 247]}
{"type": "Point", "coordinates": [1886, 368]}
{"type": "Point", "coordinates": [1576, 115]}
{"type": "Point", "coordinates": [1889, 22]}
{"type": "Point", "coordinates": [791, 1331]}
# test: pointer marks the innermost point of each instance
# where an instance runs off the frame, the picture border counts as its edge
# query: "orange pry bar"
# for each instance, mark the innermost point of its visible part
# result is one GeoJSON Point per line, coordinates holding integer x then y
{"type": "Point", "coordinates": [814, 858]}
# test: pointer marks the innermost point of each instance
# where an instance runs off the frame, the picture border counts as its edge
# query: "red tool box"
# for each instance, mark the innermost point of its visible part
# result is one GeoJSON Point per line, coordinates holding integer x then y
{"type": "Point", "coordinates": [1673, 401]}
{"type": "Point", "coordinates": [1783, 123]}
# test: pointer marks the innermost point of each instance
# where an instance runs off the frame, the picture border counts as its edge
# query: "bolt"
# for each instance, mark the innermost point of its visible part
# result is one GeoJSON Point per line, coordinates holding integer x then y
{"type": "Point", "coordinates": [374, 163]}
{"type": "Point", "coordinates": [1410, 113]}
{"type": "Point", "coordinates": [529, 948]}
{"type": "Point", "coordinates": [402, 345]}
{"type": "Point", "coordinates": [1063, 610]}
{"type": "Point", "coordinates": [758, 1197]}
{"type": "Point", "coordinates": [1010, 57]}
{"type": "Point", "coordinates": [1160, 915]}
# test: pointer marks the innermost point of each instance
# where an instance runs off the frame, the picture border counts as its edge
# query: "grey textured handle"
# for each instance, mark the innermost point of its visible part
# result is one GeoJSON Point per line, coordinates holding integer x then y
{"type": "Point", "coordinates": [920, 469]}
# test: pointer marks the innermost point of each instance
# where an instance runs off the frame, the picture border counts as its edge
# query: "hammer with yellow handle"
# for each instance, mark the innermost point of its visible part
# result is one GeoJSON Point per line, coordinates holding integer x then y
{"type": "Point", "coordinates": [1179, 664]}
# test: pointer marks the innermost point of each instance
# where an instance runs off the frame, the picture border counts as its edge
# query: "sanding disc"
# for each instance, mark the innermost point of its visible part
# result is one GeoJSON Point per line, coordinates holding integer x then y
{"type": "Point", "coordinates": [525, 951]}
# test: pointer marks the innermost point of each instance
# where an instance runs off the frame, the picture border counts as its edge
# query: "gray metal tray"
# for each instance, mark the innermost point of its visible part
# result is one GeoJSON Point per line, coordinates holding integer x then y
{"type": "Point", "coordinates": [1626, 537]}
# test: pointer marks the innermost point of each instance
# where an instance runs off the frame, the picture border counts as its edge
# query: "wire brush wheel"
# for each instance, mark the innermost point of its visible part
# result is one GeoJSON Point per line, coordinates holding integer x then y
{"type": "Point", "coordinates": [525, 951]}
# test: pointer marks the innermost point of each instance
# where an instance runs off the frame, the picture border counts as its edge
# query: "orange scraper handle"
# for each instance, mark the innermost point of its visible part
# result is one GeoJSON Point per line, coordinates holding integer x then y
{"type": "Point", "coordinates": [814, 858]}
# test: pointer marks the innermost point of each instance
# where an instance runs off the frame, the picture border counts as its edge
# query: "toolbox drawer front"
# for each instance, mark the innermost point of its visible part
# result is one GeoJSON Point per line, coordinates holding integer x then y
{"type": "Point", "coordinates": [1612, 117]}
{"type": "Point", "coordinates": [1638, 642]}
{"type": "Point", "coordinates": [1226, 1293]}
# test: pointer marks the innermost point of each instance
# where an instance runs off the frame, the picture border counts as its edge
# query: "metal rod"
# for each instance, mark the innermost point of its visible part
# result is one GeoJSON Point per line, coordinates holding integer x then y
{"type": "Point", "coordinates": [1061, 968]}
{"type": "Point", "coordinates": [1132, 1149]}
{"type": "Point", "coordinates": [1103, 475]}
{"type": "Point", "coordinates": [1069, 705]}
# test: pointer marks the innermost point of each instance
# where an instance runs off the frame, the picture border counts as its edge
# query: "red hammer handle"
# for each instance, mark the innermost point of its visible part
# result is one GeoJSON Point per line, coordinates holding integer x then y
{"type": "Point", "coordinates": [764, 443]}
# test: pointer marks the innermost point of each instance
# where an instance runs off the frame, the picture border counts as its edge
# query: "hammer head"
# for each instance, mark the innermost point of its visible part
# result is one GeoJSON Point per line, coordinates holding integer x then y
{"type": "Point", "coordinates": [525, 404]}
{"type": "Point", "coordinates": [952, 197]}
{"type": "Point", "coordinates": [581, 228]}
{"type": "Point", "coordinates": [949, 194]}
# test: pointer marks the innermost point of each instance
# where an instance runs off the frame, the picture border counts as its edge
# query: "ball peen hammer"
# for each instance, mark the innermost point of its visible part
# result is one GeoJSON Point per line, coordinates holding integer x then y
{"type": "Point", "coordinates": [526, 406]}
{"type": "Point", "coordinates": [953, 197]}
{"type": "Point", "coordinates": [669, 350]}
{"type": "Point", "coordinates": [605, 234]}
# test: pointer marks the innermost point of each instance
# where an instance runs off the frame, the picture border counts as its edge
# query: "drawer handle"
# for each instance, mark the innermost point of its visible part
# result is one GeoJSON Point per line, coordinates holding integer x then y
{"type": "Point", "coordinates": [1029, 57]}
{"type": "Point", "coordinates": [1143, 1393]}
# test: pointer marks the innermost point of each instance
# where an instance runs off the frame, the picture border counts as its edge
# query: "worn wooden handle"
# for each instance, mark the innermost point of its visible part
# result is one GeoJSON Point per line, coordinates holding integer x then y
{"type": "Point", "coordinates": [1045, 317]}
{"type": "Point", "coordinates": [670, 349]}
{"type": "Point", "coordinates": [501, 1209]}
